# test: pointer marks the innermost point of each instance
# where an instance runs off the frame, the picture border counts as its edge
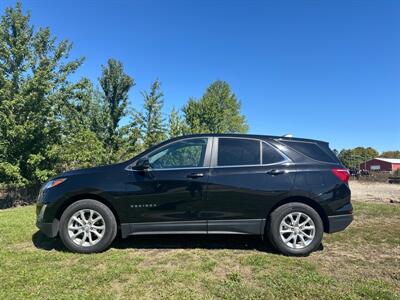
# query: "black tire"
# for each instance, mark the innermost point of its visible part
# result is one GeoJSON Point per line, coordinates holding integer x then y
{"type": "Point", "coordinates": [110, 230]}
{"type": "Point", "coordinates": [273, 228]}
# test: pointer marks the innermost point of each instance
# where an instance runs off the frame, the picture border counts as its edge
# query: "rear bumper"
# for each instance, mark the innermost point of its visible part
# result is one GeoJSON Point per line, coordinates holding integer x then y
{"type": "Point", "coordinates": [339, 223]}
{"type": "Point", "coordinates": [49, 229]}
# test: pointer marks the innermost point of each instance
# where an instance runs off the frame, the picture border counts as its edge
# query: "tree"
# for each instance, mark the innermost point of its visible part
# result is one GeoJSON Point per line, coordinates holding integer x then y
{"type": "Point", "coordinates": [84, 130]}
{"type": "Point", "coordinates": [352, 158]}
{"type": "Point", "coordinates": [116, 85]}
{"type": "Point", "coordinates": [82, 149]}
{"type": "Point", "coordinates": [390, 154]}
{"type": "Point", "coordinates": [345, 156]}
{"type": "Point", "coordinates": [34, 89]}
{"type": "Point", "coordinates": [217, 111]}
{"type": "Point", "coordinates": [87, 109]}
{"type": "Point", "coordinates": [176, 125]}
{"type": "Point", "coordinates": [150, 121]}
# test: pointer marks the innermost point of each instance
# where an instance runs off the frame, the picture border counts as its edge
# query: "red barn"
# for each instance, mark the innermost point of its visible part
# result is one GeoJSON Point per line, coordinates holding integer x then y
{"type": "Point", "coordinates": [381, 164]}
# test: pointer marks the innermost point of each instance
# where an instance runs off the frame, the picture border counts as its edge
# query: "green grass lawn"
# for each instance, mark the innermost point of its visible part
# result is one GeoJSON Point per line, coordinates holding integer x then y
{"type": "Point", "coordinates": [361, 262]}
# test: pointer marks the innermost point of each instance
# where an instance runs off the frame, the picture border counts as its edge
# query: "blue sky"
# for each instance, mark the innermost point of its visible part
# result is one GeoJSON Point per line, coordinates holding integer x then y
{"type": "Point", "coordinates": [327, 70]}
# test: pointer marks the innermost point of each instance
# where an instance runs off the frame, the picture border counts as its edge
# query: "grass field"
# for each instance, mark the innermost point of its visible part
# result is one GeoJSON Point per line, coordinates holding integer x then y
{"type": "Point", "coordinates": [361, 262]}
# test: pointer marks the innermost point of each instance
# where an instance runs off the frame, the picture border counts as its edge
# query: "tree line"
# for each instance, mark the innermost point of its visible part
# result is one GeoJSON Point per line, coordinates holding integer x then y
{"type": "Point", "coordinates": [353, 158]}
{"type": "Point", "coordinates": [50, 123]}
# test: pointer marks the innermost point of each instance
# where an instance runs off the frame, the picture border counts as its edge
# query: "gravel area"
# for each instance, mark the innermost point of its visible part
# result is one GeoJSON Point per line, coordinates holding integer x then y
{"type": "Point", "coordinates": [375, 192]}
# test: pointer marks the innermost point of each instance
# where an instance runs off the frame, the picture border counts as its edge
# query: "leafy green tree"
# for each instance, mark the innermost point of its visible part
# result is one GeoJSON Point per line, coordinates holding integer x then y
{"type": "Point", "coordinates": [87, 109]}
{"type": "Point", "coordinates": [218, 111]}
{"type": "Point", "coordinates": [116, 85]}
{"type": "Point", "coordinates": [84, 127]}
{"type": "Point", "coordinates": [176, 125]}
{"type": "Point", "coordinates": [82, 149]}
{"type": "Point", "coordinates": [90, 113]}
{"type": "Point", "coordinates": [345, 156]}
{"type": "Point", "coordinates": [352, 158]}
{"type": "Point", "coordinates": [34, 88]}
{"type": "Point", "coordinates": [194, 116]}
{"type": "Point", "coordinates": [130, 136]}
{"type": "Point", "coordinates": [150, 120]}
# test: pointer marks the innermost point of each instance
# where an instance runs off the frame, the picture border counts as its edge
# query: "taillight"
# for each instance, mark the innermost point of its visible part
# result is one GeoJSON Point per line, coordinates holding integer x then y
{"type": "Point", "coordinates": [342, 174]}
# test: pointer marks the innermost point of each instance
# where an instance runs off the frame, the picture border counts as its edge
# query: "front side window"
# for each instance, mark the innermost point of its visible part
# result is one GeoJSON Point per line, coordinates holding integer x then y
{"type": "Point", "coordinates": [183, 154]}
{"type": "Point", "coordinates": [238, 152]}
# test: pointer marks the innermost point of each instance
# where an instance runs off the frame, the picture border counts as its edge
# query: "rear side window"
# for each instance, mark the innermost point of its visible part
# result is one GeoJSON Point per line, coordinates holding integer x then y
{"type": "Point", "coordinates": [311, 150]}
{"type": "Point", "coordinates": [237, 152]}
{"type": "Point", "coordinates": [270, 155]}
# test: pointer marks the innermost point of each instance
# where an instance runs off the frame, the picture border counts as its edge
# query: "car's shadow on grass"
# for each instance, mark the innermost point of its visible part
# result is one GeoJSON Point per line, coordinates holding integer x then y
{"type": "Point", "coordinates": [239, 242]}
{"type": "Point", "coordinates": [41, 241]}
{"type": "Point", "coordinates": [165, 242]}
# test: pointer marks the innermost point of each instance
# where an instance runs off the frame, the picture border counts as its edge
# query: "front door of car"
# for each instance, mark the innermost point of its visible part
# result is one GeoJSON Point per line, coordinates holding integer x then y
{"type": "Point", "coordinates": [167, 197]}
{"type": "Point", "coordinates": [247, 177]}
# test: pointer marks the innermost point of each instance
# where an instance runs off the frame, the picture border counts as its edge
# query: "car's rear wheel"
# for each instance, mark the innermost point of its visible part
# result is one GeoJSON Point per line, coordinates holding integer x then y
{"type": "Point", "coordinates": [295, 229]}
{"type": "Point", "coordinates": [87, 226]}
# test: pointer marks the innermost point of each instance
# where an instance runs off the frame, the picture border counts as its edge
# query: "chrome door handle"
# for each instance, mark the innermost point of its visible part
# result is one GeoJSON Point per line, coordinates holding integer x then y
{"type": "Point", "coordinates": [195, 175]}
{"type": "Point", "coordinates": [275, 172]}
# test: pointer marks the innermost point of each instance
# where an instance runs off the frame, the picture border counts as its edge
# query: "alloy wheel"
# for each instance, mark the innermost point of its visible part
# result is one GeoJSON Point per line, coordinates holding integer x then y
{"type": "Point", "coordinates": [86, 227]}
{"type": "Point", "coordinates": [297, 230]}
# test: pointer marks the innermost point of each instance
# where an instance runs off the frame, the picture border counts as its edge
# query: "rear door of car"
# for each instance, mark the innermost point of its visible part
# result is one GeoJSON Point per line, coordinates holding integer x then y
{"type": "Point", "coordinates": [247, 177]}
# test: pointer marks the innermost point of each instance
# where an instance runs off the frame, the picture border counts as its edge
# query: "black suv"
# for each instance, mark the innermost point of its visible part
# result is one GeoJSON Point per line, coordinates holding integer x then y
{"type": "Point", "coordinates": [289, 189]}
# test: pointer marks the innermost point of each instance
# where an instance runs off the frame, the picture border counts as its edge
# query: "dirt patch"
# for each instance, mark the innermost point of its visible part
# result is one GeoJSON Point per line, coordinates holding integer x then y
{"type": "Point", "coordinates": [372, 262]}
{"type": "Point", "coordinates": [228, 269]}
{"type": "Point", "coordinates": [346, 258]}
{"type": "Point", "coordinates": [23, 246]}
{"type": "Point", "coordinates": [117, 287]}
{"type": "Point", "coordinates": [375, 192]}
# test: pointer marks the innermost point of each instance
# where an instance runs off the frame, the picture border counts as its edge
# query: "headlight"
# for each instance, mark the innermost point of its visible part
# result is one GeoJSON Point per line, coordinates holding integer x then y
{"type": "Point", "coordinates": [53, 183]}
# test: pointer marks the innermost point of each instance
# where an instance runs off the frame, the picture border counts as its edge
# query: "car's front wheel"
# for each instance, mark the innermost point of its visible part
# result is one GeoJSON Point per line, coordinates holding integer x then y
{"type": "Point", "coordinates": [295, 229]}
{"type": "Point", "coordinates": [87, 226]}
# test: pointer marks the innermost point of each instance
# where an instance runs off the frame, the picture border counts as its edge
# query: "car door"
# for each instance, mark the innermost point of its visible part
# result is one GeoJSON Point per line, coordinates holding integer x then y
{"type": "Point", "coordinates": [247, 177]}
{"type": "Point", "coordinates": [168, 196]}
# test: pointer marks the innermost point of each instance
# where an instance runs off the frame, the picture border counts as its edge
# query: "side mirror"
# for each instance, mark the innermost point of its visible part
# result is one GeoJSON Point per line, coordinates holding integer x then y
{"type": "Point", "coordinates": [142, 165]}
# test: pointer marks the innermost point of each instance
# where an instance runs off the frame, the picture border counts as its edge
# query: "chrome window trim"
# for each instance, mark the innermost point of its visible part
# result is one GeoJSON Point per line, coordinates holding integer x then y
{"type": "Point", "coordinates": [206, 162]}
{"type": "Point", "coordinates": [236, 138]}
{"type": "Point", "coordinates": [214, 160]}
{"type": "Point", "coordinates": [171, 169]}
{"type": "Point", "coordinates": [211, 155]}
{"type": "Point", "coordinates": [214, 154]}
{"type": "Point", "coordinates": [284, 156]}
{"type": "Point", "coordinates": [284, 162]}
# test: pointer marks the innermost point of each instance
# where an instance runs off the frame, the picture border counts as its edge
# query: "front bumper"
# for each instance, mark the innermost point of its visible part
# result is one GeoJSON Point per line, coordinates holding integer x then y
{"type": "Point", "coordinates": [339, 223]}
{"type": "Point", "coordinates": [49, 229]}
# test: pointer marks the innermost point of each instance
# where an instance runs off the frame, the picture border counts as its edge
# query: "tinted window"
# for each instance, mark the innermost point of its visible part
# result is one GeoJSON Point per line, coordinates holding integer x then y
{"type": "Point", "coordinates": [270, 155]}
{"type": "Point", "coordinates": [233, 152]}
{"type": "Point", "coordinates": [311, 150]}
{"type": "Point", "coordinates": [183, 154]}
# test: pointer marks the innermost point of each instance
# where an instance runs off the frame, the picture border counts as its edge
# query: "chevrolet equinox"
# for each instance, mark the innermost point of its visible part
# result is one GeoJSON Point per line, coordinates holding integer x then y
{"type": "Point", "coordinates": [289, 190]}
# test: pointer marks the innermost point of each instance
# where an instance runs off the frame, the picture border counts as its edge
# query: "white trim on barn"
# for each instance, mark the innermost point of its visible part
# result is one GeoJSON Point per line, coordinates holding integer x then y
{"type": "Point", "coordinates": [389, 160]}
